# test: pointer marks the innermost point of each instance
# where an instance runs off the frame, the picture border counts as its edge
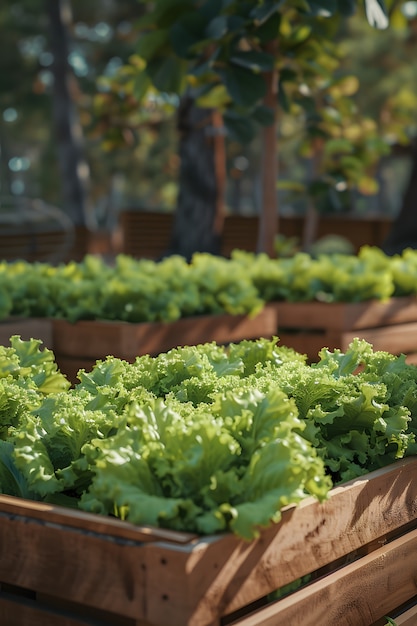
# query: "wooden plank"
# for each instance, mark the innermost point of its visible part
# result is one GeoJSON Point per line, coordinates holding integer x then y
{"type": "Point", "coordinates": [78, 566]}
{"type": "Point", "coordinates": [145, 234]}
{"type": "Point", "coordinates": [44, 246]}
{"type": "Point", "coordinates": [239, 232]}
{"type": "Point", "coordinates": [309, 343]}
{"type": "Point", "coordinates": [221, 575]}
{"type": "Point", "coordinates": [13, 613]}
{"type": "Point", "coordinates": [27, 328]}
{"type": "Point", "coordinates": [343, 316]}
{"type": "Point", "coordinates": [396, 339]}
{"type": "Point", "coordinates": [399, 339]}
{"type": "Point", "coordinates": [112, 528]}
{"type": "Point", "coordinates": [98, 339]}
{"type": "Point", "coordinates": [356, 595]}
{"type": "Point", "coordinates": [408, 618]}
{"type": "Point", "coordinates": [27, 613]}
{"type": "Point", "coordinates": [18, 608]}
{"type": "Point", "coordinates": [70, 366]}
{"type": "Point", "coordinates": [141, 574]}
{"type": "Point", "coordinates": [411, 358]}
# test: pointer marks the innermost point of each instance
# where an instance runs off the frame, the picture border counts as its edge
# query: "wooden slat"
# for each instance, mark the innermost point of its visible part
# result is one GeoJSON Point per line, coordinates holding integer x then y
{"type": "Point", "coordinates": [399, 339]}
{"type": "Point", "coordinates": [27, 328]}
{"type": "Point", "coordinates": [310, 326]}
{"type": "Point", "coordinates": [18, 608]}
{"type": "Point", "coordinates": [357, 595]}
{"type": "Point", "coordinates": [113, 529]}
{"type": "Point", "coordinates": [221, 575]}
{"type": "Point", "coordinates": [88, 569]}
{"type": "Point", "coordinates": [346, 316]}
{"type": "Point", "coordinates": [309, 343]}
{"type": "Point", "coordinates": [96, 561]}
{"type": "Point", "coordinates": [145, 234]}
{"type": "Point", "coordinates": [35, 246]}
{"type": "Point", "coordinates": [408, 618]}
{"type": "Point", "coordinates": [98, 339]}
{"type": "Point", "coordinates": [13, 613]}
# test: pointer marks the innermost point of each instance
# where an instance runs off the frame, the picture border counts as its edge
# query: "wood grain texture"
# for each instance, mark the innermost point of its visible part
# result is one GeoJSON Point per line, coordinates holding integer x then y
{"type": "Point", "coordinates": [98, 339]}
{"type": "Point", "coordinates": [225, 573]}
{"type": "Point", "coordinates": [80, 520]}
{"type": "Point", "coordinates": [398, 339]}
{"type": "Point", "coordinates": [89, 569]}
{"type": "Point", "coordinates": [146, 574]}
{"type": "Point", "coordinates": [346, 316]}
{"type": "Point", "coordinates": [401, 339]}
{"type": "Point", "coordinates": [307, 327]}
{"type": "Point", "coordinates": [356, 595]}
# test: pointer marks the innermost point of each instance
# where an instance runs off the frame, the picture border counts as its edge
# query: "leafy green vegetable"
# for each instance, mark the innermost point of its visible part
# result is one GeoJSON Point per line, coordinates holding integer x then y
{"type": "Point", "coordinates": [139, 290]}
{"type": "Point", "coordinates": [371, 274]}
{"type": "Point", "coordinates": [205, 438]}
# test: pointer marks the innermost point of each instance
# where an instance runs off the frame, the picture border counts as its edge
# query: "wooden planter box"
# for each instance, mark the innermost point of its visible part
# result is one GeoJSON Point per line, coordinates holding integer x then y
{"type": "Point", "coordinates": [81, 344]}
{"type": "Point", "coordinates": [27, 328]}
{"type": "Point", "coordinates": [148, 233]}
{"type": "Point", "coordinates": [61, 567]}
{"type": "Point", "coordinates": [309, 326]}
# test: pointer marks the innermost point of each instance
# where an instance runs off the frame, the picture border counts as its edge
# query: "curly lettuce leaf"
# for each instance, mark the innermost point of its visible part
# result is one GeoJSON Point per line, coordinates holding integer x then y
{"type": "Point", "coordinates": [202, 464]}
{"type": "Point", "coordinates": [12, 481]}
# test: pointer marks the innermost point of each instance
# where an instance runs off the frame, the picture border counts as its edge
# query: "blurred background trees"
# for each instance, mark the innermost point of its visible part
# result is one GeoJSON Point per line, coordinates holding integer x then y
{"type": "Point", "coordinates": [345, 121]}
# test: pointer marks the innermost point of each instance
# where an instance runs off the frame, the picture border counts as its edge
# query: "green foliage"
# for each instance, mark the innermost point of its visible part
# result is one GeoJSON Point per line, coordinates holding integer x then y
{"type": "Point", "coordinates": [133, 290]}
{"type": "Point", "coordinates": [332, 277]}
{"type": "Point", "coordinates": [222, 53]}
{"type": "Point", "coordinates": [226, 44]}
{"type": "Point", "coordinates": [27, 374]}
{"type": "Point", "coordinates": [206, 438]}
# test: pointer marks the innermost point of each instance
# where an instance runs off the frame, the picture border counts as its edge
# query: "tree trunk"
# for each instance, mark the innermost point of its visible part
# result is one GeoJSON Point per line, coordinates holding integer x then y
{"type": "Point", "coordinates": [268, 219]}
{"type": "Point", "coordinates": [312, 217]}
{"type": "Point", "coordinates": [403, 233]}
{"type": "Point", "coordinates": [199, 214]}
{"type": "Point", "coordinates": [68, 132]}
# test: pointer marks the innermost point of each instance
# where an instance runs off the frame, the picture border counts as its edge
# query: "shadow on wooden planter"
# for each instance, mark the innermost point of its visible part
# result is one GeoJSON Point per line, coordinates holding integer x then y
{"type": "Point", "coordinates": [63, 567]}
{"type": "Point", "coordinates": [80, 345]}
{"type": "Point", "coordinates": [310, 326]}
{"type": "Point", "coordinates": [27, 328]}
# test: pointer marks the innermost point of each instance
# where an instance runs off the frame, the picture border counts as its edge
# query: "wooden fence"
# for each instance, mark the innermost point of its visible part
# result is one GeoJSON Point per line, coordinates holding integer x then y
{"type": "Point", "coordinates": [147, 234]}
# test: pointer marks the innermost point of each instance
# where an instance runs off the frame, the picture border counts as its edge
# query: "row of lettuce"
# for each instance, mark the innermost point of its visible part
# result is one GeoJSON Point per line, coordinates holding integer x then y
{"type": "Point", "coordinates": [138, 290]}
{"type": "Point", "coordinates": [203, 439]}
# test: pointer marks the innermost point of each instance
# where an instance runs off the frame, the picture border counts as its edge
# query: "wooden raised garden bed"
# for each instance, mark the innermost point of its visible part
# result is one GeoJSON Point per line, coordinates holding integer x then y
{"type": "Point", "coordinates": [27, 328]}
{"type": "Point", "coordinates": [62, 567]}
{"type": "Point", "coordinates": [81, 344]}
{"type": "Point", "coordinates": [309, 326]}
